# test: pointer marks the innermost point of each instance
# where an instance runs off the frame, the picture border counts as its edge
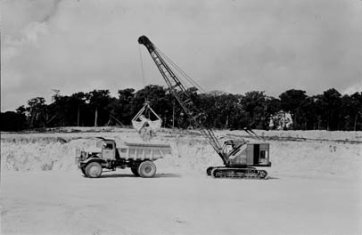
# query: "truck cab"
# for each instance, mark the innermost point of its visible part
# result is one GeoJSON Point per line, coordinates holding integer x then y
{"type": "Point", "coordinates": [109, 150]}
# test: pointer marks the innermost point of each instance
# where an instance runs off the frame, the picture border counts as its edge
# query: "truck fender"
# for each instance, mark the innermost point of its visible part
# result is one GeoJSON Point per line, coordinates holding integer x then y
{"type": "Point", "coordinates": [92, 159]}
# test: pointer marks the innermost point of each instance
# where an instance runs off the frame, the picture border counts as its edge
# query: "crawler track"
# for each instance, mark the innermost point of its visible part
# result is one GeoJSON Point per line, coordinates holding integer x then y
{"type": "Point", "coordinates": [232, 172]}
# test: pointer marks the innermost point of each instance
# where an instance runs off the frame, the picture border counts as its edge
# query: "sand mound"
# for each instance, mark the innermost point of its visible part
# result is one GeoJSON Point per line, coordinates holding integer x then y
{"type": "Point", "coordinates": [191, 152]}
{"type": "Point", "coordinates": [39, 155]}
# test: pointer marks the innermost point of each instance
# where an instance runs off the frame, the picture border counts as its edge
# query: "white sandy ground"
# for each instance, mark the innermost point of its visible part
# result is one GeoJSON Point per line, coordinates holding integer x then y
{"type": "Point", "coordinates": [315, 187]}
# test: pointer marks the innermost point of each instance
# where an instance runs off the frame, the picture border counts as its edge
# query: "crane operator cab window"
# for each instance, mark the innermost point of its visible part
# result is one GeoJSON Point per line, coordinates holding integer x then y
{"type": "Point", "coordinates": [262, 153]}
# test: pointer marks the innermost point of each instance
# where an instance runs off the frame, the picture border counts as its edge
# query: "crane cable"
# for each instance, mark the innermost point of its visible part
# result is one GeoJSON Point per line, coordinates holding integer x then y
{"type": "Point", "coordinates": [143, 81]}
{"type": "Point", "coordinates": [208, 132]}
{"type": "Point", "coordinates": [147, 110]}
{"type": "Point", "coordinates": [180, 71]}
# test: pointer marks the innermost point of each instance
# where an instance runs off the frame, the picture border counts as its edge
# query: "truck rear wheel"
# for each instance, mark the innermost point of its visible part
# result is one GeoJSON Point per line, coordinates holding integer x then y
{"type": "Point", "coordinates": [147, 169]}
{"type": "Point", "coordinates": [93, 170]}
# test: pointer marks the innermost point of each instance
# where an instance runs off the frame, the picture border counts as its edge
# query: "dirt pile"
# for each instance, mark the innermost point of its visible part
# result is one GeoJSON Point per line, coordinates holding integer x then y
{"type": "Point", "coordinates": [39, 155]}
{"type": "Point", "coordinates": [191, 152]}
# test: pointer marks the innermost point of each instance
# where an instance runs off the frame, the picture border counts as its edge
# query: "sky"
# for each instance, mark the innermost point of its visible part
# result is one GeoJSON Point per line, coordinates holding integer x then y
{"type": "Point", "coordinates": [232, 46]}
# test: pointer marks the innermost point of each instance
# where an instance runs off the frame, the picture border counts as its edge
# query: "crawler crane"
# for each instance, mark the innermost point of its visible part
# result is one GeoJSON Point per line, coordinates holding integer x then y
{"type": "Point", "coordinates": [239, 157]}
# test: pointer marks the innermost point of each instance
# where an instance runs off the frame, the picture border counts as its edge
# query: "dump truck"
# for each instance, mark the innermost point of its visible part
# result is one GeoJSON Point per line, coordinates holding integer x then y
{"type": "Point", "coordinates": [139, 157]}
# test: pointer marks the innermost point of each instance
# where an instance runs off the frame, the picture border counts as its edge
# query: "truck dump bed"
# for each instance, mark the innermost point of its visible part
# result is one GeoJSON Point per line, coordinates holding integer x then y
{"type": "Point", "coordinates": [142, 151]}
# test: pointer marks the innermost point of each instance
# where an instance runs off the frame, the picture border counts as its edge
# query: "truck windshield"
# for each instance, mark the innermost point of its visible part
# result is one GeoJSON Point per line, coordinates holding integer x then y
{"type": "Point", "coordinates": [108, 146]}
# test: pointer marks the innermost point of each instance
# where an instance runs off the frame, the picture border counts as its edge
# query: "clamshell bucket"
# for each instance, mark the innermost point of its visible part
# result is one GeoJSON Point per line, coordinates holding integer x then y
{"type": "Point", "coordinates": [140, 121]}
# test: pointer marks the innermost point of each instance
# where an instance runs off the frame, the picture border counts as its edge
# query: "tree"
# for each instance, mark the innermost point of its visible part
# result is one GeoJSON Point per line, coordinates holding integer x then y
{"type": "Point", "coordinates": [351, 111]}
{"type": "Point", "coordinates": [330, 103]}
{"type": "Point", "coordinates": [12, 121]}
{"type": "Point", "coordinates": [37, 110]}
{"type": "Point", "coordinates": [67, 110]}
{"type": "Point", "coordinates": [217, 109]}
{"type": "Point", "coordinates": [292, 101]}
{"type": "Point", "coordinates": [223, 110]}
{"type": "Point", "coordinates": [121, 108]}
{"type": "Point", "coordinates": [273, 105]}
{"type": "Point", "coordinates": [254, 105]}
{"type": "Point", "coordinates": [357, 105]}
{"type": "Point", "coordinates": [309, 110]}
{"type": "Point", "coordinates": [59, 111]}
{"type": "Point", "coordinates": [99, 101]}
{"type": "Point", "coordinates": [78, 102]}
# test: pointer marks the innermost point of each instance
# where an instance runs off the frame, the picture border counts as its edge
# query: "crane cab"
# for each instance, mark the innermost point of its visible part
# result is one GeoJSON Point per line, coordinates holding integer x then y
{"type": "Point", "coordinates": [257, 154]}
{"type": "Point", "coordinates": [251, 154]}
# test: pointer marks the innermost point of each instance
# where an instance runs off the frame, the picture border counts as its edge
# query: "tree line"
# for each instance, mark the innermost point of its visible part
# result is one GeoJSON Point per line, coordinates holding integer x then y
{"type": "Point", "coordinates": [328, 111]}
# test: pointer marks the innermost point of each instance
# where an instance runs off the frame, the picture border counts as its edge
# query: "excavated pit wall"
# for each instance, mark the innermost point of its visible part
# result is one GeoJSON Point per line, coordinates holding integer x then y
{"type": "Point", "coordinates": [306, 154]}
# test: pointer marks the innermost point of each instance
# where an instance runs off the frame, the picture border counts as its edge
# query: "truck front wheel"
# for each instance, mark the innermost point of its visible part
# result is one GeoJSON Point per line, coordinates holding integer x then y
{"type": "Point", "coordinates": [147, 169]}
{"type": "Point", "coordinates": [93, 170]}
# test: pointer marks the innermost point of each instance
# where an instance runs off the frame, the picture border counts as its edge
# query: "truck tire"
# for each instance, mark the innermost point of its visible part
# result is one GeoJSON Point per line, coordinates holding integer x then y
{"type": "Point", "coordinates": [93, 170]}
{"type": "Point", "coordinates": [147, 169]}
{"type": "Point", "coordinates": [135, 171]}
{"type": "Point", "coordinates": [83, 171]}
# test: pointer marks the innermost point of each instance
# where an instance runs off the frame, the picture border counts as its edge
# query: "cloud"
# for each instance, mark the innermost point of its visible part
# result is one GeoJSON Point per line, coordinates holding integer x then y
{"type": "Point", "coordinates": [357, 87]}
{"type": "Point", "coordinates": [234, 46]}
